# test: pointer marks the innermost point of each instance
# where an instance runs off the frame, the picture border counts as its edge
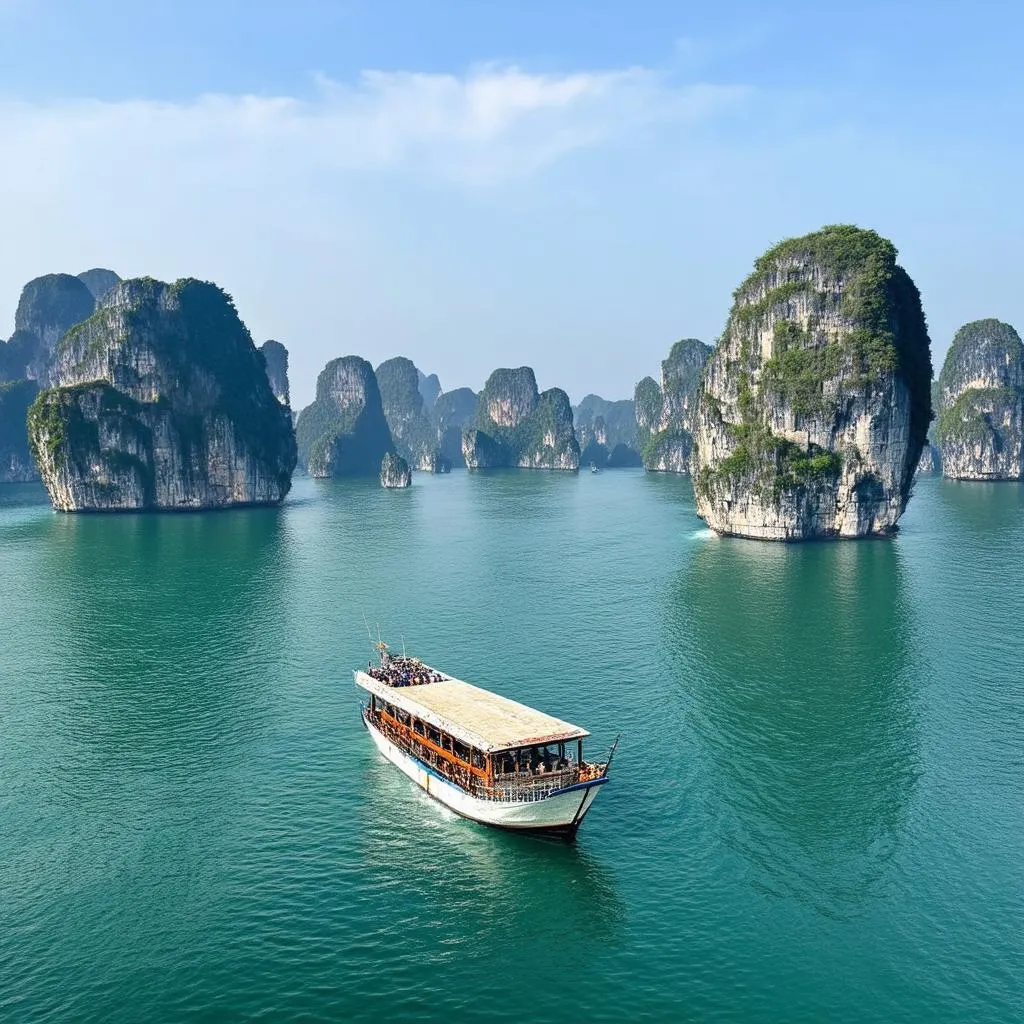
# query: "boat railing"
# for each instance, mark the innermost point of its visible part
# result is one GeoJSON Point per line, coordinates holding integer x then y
{"type": "Point", "coordinates": [525, 787]}
{"type": "Point", "coordinates": [525, 781]}
{"type": "Point", "coordinates": [507, 787]}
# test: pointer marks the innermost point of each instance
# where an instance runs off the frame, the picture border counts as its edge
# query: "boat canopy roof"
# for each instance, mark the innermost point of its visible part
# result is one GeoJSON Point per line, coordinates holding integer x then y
{"type": "Point", "coordinates": [477, 717]}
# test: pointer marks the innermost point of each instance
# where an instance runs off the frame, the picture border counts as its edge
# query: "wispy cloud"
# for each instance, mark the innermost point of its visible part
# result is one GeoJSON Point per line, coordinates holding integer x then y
{"type": "Point", "coordinates": [489, 125]}
{"type": "Point", "coordinates": [310, 208]}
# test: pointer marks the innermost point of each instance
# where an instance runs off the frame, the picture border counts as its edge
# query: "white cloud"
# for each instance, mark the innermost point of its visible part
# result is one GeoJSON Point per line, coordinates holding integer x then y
{"type": "Point", "coordinates": [306, 207]}
{"type": "Point", "coordinates": [490, 125]}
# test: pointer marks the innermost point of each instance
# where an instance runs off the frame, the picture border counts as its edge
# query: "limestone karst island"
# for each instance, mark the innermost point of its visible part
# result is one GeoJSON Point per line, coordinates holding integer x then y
{"type": "Point", "coordinates": [511, 512]}
{"type": "Point", "coordinates": [816, 403]}
{"type": "Point", "coordinates": [808, 419]}
{"type": "Point", "coordinates": [160, 400]}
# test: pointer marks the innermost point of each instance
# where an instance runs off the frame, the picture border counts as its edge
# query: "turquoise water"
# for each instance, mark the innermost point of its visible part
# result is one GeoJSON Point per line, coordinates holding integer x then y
{"type": "Point", "coordinates": [815, 814]}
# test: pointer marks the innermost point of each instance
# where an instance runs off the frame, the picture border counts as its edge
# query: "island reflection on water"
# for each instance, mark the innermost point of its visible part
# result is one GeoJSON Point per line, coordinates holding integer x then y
{"type": "Point", "coordinates": [152, 619]}
{"type": "Point", "coordinates": [796, 665]}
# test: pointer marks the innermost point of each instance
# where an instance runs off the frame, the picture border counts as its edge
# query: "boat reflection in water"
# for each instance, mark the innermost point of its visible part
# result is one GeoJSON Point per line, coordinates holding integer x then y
{"type": "Point", "coordinates": [484, 756]}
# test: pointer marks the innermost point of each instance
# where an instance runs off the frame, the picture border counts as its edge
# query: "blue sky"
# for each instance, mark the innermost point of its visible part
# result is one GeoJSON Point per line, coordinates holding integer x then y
{"type": "Point", "coordinates": [564, 184]}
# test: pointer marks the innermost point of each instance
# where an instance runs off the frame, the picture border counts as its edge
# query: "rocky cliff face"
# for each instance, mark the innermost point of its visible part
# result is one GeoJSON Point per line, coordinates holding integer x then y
{"type": "Point", "coordinates": [666, 412]}
{"type": "Point", "coordinates": [344, 432]}
{"type": "Point", "coordinates": [99, 281]}
{"type": "Point", "coordinates": [930, 461]}
{"type": "Point", "coordinates": [414, 433]}
{"type": "Point", "coordinates": [815, 405]}
{"type": "Point", "coordinates": [16, 465]}
{"type": "Point", "coordinates": [16, 354]}
{"type": "Point", "coordinates": [453, 411]}
{"type": "Point", "coordinates": [275, 355]}
{"type": "Point", "coordinates": [394, 471]}
{"type": "Point", "coordinates": [517, 426]}
{"type": "Point", "coordinates": [161, 403]}
{"type": "Point", "coordinates": [604, 429]}
{"type": "Point", "coordinates": [49, 306]}
{"type": "Point", "coordinates": [430, 389]}
{"type": "Point", "coordinates": [981, 399]}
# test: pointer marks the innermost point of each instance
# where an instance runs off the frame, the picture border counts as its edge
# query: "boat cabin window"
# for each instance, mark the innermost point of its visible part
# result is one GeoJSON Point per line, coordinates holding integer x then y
{"type": "Point", "coordinates": [532, 760]}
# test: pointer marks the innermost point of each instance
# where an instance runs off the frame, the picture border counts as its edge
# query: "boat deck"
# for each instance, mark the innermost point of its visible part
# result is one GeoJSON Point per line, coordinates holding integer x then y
{"type": "Point", "coordinates": [477, 717]}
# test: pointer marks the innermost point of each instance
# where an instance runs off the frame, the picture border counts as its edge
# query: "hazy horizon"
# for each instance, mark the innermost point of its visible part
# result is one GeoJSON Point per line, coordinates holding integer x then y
{"type": "Point", "coordinates": [472, 186]}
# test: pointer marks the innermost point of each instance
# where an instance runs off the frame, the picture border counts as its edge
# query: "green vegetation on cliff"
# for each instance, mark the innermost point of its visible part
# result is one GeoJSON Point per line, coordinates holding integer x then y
{"type": "Point", "coordinates": [983, 350]}
{"type": "Point", "coordinates": [413, 431]}
{"type": "Point", "coordinates": [66, 421]}
{"type": "Point", "coordinates": [974, 418]}
{"type": "Point", "coordinates": [761, 458]}
{"type": "Point", "coordinates": [344, 432]}
{"type": "Point", "coordinates": [647, 399]}
{"type": "Point", "coordinates": [857, 322]}
{"type": "Point", "coordinates": [516, 426]}
{"type": "Point", "coordinates": [658, 446]}
{"type": "Point", "coordinates": [848, 275]}
{"type": "Point", "coordinates": [175, 355]}
{"type": "Point", "coordinates": [681, 371]}
{"type": "Point", "coordinates": [194, 331]}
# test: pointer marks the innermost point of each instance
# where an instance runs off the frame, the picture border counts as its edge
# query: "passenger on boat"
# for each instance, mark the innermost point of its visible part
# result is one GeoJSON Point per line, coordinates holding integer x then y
{"type": "Point", "coordinates": [403, 671]}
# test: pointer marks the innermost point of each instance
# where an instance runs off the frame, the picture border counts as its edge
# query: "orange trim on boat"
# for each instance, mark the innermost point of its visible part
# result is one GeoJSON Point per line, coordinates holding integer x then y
{"type": "Point", "coordinates": [404, 730]}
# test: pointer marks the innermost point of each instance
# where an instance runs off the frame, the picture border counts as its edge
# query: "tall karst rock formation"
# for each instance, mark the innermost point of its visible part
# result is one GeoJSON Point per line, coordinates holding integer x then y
{"type": "Point", "coordinates": [516, 426]}
{"type": "Point", "coordinates": [981, 404]}
{"type": "Point", "coordinates": [161, 402]}
{"type": "Point", "coordinates": [815, 405]}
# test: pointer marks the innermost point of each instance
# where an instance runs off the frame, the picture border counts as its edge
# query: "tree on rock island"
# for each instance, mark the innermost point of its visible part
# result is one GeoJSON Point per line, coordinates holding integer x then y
{"type": "Point", "coordinates": [815, 405]}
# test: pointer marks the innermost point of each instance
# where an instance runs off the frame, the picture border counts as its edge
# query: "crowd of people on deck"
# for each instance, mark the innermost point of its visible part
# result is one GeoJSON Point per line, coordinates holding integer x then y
{"type": "Point", "coordinates": [536, 761]}
{"type": "Point", "coordinates": [399, 670]}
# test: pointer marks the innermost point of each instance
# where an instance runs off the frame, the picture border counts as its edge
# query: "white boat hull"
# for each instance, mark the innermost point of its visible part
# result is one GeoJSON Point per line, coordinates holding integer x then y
{"type": "Point", "coordinates": [558, 814]}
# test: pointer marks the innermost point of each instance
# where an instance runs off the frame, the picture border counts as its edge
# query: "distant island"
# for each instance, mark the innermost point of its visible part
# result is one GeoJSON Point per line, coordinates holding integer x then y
{"type": "Point", "coordinates": [16, 463]}
{"type": "Point", "coordinates": [344, 432]}
{"type": "Point", "coordinates": [666, 413]}
{"type": "Point", "coordinates": [980, 428]}
{"type": "Point", "coordinates": [517, 426]}
{"type": "Point", "coordinates": [275, 356]}
{"type": "Point", "coordinates": [809, 419]}
{"type": "Point", "coordinates": [49, 306]}
{"type": "Point", "coordinates": [413, 429]}
{"type": "Point", "coordinates": [453, 411]}
{"type": "Point", "coordinates": [607, 433]}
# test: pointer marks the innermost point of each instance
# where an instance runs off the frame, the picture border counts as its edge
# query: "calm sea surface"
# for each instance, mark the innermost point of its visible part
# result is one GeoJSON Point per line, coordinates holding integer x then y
{"type": "Point", "coordinates": [816, 812]}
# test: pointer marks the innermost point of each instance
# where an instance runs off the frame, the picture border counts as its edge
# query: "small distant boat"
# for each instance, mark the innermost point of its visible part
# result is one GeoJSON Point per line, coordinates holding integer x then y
{"type": "Point", "coordinates": [593, 468]}
{"type": "Point", "coordinates": [482, 755]}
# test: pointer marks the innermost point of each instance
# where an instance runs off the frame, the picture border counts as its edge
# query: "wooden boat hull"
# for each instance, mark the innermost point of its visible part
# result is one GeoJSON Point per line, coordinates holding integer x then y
{"type": "Point", "coordinates": [559, 814]}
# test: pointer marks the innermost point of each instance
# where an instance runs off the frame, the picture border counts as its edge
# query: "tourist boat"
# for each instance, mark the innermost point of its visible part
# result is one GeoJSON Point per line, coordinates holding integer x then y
{"type": "Point", "coordinates": [482, 755]}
